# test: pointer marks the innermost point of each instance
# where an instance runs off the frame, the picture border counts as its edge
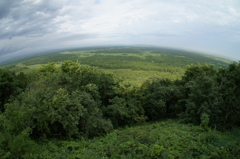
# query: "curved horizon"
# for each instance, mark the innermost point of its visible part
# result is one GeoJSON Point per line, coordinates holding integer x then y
{"type": "Point", "coordinates": [30, 26]}
{"type": "Point", "coordinates": [115, 46]}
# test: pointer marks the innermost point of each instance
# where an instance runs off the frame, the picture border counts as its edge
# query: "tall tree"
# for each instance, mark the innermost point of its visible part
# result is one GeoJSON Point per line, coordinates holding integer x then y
{"type": "Point", "coordinates": [10, 85]}
{"type": "Point", "coordinates": [229, 83]}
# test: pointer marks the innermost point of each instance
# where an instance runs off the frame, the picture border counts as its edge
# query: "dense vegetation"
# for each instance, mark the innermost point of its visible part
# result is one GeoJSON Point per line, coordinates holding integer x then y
{"type": "Point", "coordinates": [62, 110]}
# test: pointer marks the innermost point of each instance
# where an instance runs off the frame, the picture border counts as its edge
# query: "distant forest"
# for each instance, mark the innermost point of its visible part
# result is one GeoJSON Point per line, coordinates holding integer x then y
{"type": "Point", "coordinates": [134, 64]}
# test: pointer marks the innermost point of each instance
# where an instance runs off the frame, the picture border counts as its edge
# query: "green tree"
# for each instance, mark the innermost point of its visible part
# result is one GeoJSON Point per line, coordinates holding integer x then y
{"type": "Point", "coordinates": [125, 108]}
{"type": "Point", "coordinates": [203, 98]}
{"type": "Point", "coordinates": [195, 71]}
{"type": "Point", "coordinates": [159, 98]}
{"type": "Point", "coordinates": [62, 102]}
{"type": "Point", "coordinates": [10, 85]}
{"type": "Point", "coordinates": [229, 83]}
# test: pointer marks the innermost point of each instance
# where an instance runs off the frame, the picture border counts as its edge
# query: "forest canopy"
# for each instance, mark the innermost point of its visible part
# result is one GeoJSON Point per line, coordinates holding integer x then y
{"type": "Point", "coordinates": [78, 101]}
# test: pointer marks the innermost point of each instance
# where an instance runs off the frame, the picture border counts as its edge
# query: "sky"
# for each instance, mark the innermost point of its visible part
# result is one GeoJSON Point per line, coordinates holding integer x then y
{"type": "Point", "coordinates": [208, 26]}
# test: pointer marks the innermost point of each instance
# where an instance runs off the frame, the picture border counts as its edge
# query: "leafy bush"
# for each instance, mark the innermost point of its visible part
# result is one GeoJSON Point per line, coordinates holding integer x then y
{"type": "Point", "coordinates": [59, 104]}
{"type": "Point", "coordinates": [159, 98]}
{"type": "Point", "coordinates": [229, 88]}
{"type": "Point", "coordinates": [164, 139]}
{"type": "Point", "coordinates": [10, 85]}
{"type": "Point", "coordinates": [214, 93]}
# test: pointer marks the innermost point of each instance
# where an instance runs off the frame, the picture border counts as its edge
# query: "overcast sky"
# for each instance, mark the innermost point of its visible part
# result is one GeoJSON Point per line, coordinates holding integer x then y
{"type": "Point", "coordinates": [210, 26]}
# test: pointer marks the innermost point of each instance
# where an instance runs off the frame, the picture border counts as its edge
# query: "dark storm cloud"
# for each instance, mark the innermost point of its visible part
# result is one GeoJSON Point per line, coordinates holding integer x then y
{"type": "Point", "coordinates": [27, 18]}
{"type": "Point", "coordinates": [6, 6]}
{"type": "Point", "coordinates": [17, 9]}
{"type": "Point", "coordinates": [7, 50]}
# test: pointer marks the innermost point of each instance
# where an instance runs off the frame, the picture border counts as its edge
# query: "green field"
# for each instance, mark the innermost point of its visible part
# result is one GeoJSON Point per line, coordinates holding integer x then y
{"type": "Point", "coordinates": [133, 64]}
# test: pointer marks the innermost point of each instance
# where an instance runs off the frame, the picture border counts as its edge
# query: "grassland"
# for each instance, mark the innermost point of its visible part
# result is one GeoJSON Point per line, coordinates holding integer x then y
{"type": "Point", "coordinates": [134, 64]}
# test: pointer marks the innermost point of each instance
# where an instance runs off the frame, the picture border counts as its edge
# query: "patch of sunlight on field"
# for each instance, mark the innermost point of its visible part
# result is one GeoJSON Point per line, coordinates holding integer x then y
{"type": "Point", "coordinates": [90, 53]}
{"type": "Point", "coordinates": [79, 53]}
{"type": "Point", "coordinates": [137, 77]}
{"type": "Point", "coordinates": [26, 69]}
{"type": "Point", "coordinates": [141, 55]}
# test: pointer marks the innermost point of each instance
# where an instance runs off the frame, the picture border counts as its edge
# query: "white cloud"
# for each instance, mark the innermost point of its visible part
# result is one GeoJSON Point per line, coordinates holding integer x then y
{"type": "Point", "coordinates": [190, 24]}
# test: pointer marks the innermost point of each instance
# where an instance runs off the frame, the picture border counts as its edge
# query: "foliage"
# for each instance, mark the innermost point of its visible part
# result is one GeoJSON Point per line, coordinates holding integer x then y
{"type": "Point", "coordinates": [125, 108]}
{"type": "Point", "coordinates": [160, 95]}
{"type": "Point", "coordinates": [10, 85]}
{"type": "Point", "coordinates": [195, 71]}
{"type": "Point", "coordinates": [213, 93]}
{"type": "Point", "coordinates": [203, 97]}
{"type": "Point", "coordinates": [164, 139]}
{"type": "Point", "coordinates": [229, 88]}
{"type": "Point", "coordinates": [64, 102]}
{"type": "Point", "coordinates": [63, 108]}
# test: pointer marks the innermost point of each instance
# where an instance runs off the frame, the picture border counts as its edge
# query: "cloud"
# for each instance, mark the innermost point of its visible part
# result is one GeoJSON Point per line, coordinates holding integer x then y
{"type": "Point", "coordinates": [29, 25]}
{"type": "Point", "coordinates": [28, 18]}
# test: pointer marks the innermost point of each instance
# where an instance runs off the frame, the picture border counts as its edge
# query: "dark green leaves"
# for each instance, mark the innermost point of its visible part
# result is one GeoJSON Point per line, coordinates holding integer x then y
{"type": "Point", "coordinates": [10, 85]}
